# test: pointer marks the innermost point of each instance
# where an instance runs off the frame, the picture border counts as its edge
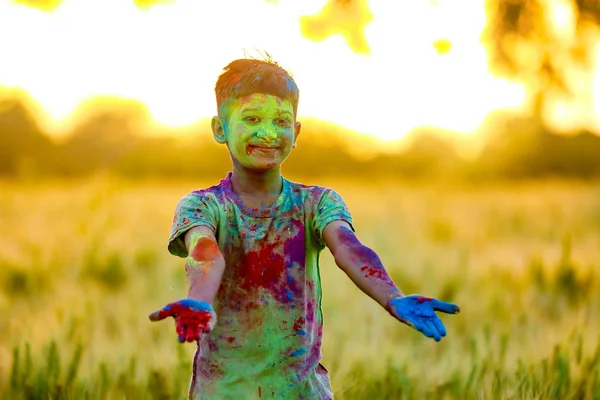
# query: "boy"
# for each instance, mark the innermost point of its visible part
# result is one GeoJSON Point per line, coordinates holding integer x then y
{"type": "Point", "coordinates": [252, 247]}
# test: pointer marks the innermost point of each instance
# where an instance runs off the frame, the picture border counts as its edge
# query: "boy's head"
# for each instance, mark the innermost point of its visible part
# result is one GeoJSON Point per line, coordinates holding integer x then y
{"type": "Point", "coordinates": [246, 76]}
{"type": "Point", "coordinates": [257, 101]}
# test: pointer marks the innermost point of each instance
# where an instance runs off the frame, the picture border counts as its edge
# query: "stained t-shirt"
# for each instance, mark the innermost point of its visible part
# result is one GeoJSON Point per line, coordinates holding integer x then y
{"type": "Point", "coordinates": [267, 340]}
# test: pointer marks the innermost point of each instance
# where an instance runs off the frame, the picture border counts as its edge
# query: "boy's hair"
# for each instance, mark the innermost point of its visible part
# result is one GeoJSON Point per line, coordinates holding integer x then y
{"type": "Point", "coordinates": [246, 76]}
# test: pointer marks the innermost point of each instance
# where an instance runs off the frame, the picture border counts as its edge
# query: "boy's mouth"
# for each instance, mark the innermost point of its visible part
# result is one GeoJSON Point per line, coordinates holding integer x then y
{"type": "Point", "coordinates": [261, 147]}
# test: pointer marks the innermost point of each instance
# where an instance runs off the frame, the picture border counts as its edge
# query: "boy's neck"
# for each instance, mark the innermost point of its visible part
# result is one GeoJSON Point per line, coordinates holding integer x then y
{"type": "Point", "coordinates": [250, 182]}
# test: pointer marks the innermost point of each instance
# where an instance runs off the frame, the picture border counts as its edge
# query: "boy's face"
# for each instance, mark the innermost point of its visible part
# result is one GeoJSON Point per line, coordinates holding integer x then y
{"type": "Point", "coordinates": [259, 130]}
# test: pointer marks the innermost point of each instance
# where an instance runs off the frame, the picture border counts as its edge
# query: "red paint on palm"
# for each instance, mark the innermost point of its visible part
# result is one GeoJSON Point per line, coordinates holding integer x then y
{"type": "Point", "coordinates": [192, 318]}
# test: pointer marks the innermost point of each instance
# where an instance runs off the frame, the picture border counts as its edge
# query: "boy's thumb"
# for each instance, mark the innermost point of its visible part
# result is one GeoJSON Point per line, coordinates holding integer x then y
{"type": "Point", "coordinates": [161, 314]}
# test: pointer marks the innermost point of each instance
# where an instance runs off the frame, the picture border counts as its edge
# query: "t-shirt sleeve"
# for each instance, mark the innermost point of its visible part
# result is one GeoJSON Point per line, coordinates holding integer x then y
{"type": "Point", "coordinates": [195, 209]}
{"type": "Point", "coordinates": [330, 207]}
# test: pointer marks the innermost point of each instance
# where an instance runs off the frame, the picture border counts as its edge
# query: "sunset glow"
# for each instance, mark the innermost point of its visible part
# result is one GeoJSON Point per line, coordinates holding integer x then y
{"type": "Point", "coordinates": [424, 65]}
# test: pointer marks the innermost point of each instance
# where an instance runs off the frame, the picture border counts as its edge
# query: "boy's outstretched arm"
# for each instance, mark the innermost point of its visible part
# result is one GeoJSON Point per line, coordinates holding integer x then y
{"type": "Point", "coordinates": [204, 268]}
{"type": "Point", "coordinates": [204, 264]}
{"type": "Point", "coordinates": [365, 269]}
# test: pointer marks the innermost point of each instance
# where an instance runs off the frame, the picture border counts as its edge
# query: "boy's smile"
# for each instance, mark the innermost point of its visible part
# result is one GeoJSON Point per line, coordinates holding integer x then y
{"type": "Point", "coordinates": [259, 130]}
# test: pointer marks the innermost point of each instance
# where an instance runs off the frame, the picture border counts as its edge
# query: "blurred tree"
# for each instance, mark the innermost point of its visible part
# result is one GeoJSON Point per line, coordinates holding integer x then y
{"type": "Point", "coordinates": [342, 17]}
{"type": "Point", "coordinates": [521, 148]}
{"type": "Point", "coordinates": [546, 44]}
{"type": "Point", "coordinates": [24, 149]}
{"type": "Point", "coordinates": [428, 155]}
{"type": "Point", "coordinates": [145, 4]}
{"type": "Point", "coordinates": [102, 138]}
{"type": "Point", "coordinates": [46, 5]}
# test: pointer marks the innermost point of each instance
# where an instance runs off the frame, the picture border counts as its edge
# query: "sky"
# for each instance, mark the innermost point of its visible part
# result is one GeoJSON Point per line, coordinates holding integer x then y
{"type": "Point", "coordinates": [415, 63]}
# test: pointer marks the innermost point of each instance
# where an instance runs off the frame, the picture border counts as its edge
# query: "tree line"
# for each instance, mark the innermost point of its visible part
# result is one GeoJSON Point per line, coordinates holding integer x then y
{"type": "Point", "coordinates": [513, 147]}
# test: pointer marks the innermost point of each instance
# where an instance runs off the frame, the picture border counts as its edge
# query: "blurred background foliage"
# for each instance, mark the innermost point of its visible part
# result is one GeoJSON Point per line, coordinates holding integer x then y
{"type": "Point", "coordinates": [83, 258]}
{"type": "Point", "coordinates": [113, 140]}
{"type": "Point", "coordinates": [524, 41]}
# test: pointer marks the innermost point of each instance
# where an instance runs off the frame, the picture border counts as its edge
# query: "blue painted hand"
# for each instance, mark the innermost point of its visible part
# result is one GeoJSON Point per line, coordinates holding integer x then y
{"type": "Point", "coordinates": [419, 312]}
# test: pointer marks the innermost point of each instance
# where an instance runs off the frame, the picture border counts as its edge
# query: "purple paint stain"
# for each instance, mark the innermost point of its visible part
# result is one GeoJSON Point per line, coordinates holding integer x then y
{"type": "Point", "coordinates": [315, 351]}
{"type": "Point", "coordinates": [372, 266]}
{"type": "Point", "coordinates": [310, 311]}
{"type": "Point", "coordinates": [294, 247]}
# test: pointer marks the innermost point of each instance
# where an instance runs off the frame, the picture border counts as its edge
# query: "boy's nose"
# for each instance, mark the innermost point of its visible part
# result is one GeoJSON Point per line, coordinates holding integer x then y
{"type": "Point", "coordinates": [267, 132]}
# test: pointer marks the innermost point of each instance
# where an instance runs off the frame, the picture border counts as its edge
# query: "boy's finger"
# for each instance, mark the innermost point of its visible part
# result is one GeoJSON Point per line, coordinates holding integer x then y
{"type": "Point", "coordinates": [166, 311]}
{"type": "Point", "coordinates": [418, 325]}
{"type": "Point", "coordinates": [191, 333]}
{"type": "Point", "coordinates": [181, 332]}
{"type": "Point", "coordinates": [439, 326]}
{"type": "Point", "coordinates": [448, 308]}
{"type": "Point", "coordinates": [426, 329]}
{"type": "Point", "coordinates": [433, 330]}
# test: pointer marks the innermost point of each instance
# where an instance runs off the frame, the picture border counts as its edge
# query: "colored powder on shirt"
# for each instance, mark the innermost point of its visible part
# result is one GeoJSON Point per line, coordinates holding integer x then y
{"type": "Point", "coordinates": [267, 340]}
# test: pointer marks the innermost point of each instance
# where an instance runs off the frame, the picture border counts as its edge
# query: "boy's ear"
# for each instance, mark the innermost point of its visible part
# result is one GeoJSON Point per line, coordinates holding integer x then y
{"type": "Point", "coordinates": [297, 126]}
{"type": "Point", "coordinates": [218, 130]}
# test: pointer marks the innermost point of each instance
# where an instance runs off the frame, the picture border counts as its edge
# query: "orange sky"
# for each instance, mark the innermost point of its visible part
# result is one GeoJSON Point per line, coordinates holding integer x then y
{"type": "Point", "coordinates": [418, 62]}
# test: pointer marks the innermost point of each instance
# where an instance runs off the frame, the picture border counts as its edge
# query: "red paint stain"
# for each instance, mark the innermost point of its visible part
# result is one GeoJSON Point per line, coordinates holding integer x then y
{"type": "Point", "coordinates": [375, 272]}
{"type": "Point", "coordinates": [230, 339]}
{"type": "Point", "coordinates": [206, 249]}
{"type": "Point", "coordinates": [298, 325]}
{"type": "Point", "coordinates": [423, 299]}
{"type": "Point", "coordinates": [262, 268]}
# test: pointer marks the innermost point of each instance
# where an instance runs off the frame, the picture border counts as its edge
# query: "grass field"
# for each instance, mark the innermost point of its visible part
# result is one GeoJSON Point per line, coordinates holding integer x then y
{"type": "Point", "coordinates": [83, 263]}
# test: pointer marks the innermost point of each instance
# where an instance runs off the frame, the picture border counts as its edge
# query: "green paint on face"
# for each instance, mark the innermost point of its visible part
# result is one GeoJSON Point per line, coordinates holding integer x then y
{"type": "Point", "coordinates": [259, 130]}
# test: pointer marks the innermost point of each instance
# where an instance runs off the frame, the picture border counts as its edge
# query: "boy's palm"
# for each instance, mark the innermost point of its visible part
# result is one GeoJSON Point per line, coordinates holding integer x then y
{"type": "Point", "coordinates": [192, 318]}
{"type": "Point", "coordinates": [419, 312]}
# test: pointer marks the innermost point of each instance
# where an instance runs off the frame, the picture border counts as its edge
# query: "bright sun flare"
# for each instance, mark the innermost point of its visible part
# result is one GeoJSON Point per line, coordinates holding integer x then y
{"type": "Point", "coordinates": [426, 64]}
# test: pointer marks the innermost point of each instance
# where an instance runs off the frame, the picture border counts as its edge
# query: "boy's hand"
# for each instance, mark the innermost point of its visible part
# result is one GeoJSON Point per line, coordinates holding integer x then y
{"type": "Point", "coordinates": [192, 318]}
{"type": "Point", "coordinates": [419, 312]}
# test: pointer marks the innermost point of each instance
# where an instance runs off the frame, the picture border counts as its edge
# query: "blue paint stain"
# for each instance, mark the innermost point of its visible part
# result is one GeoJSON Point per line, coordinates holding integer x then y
{"type": "Point", "coordinates": [298, 352]}
{"type": "Point", "coordinates": [301, 332]}
{"type": "Point", "coordinates": [289, 295]}
{"type": "Point", "coordinates": [291, 85]}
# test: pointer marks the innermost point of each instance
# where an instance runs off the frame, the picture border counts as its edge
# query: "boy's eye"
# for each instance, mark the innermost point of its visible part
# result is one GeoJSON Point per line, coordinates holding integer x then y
{"type": "Point", "coordinates": [283, 122]}
{"type": "Point", "coordinates": [252, 120]}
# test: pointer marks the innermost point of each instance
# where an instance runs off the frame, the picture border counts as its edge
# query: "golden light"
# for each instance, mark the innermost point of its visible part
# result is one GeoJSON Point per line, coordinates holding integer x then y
{"type": "Point", "coordinates": [169, 55]}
